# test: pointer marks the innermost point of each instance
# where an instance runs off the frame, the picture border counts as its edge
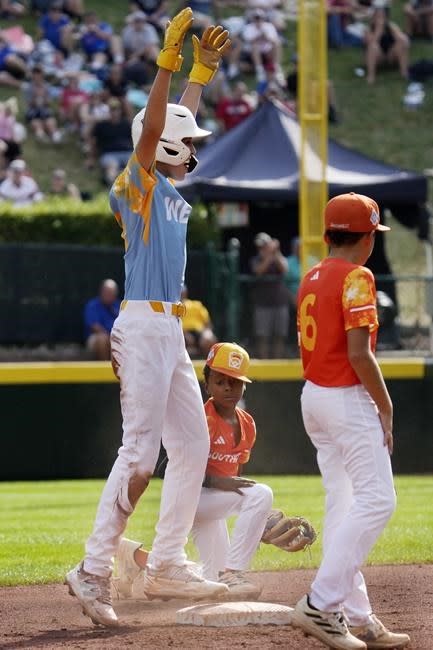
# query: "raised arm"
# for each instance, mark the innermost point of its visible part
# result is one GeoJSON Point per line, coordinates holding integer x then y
{"type": "Point", "coordinates": [169, 61]}
{"type": "Point", "coordinates": [208, 52]}
{"type": "Point", "coordinates": [154, 118]}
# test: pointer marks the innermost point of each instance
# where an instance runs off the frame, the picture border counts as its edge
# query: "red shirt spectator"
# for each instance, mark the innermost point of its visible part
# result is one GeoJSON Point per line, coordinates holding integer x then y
{"type": "Point", "coordinates": [71, 96]}
{"type": "Point", "coordinates": [233, 110]}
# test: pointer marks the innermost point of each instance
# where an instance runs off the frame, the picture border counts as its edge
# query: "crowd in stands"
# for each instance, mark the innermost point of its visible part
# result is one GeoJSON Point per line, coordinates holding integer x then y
{"type": "Point", "coordinates": [80, 76]}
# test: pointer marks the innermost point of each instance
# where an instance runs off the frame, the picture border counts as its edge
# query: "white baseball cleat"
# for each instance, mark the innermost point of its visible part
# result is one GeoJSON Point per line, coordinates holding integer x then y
{"type": "Point", "coordinates": [93, 593]}
{"type": "Point", "coordinates": [329, 627]}
{"type": "Point", "coordinates": [127, 568]}
{"type": "Point", "coordinates": [181, 582]}
{"type": "Point", "coordinates": [376, 636]}
{"type": "Point", "coordinates": [240, 588]}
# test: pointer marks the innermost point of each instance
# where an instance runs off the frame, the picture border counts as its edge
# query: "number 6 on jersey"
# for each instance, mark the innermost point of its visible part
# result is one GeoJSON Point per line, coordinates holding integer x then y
{"type": "Point", "coordinates": [308, 326]}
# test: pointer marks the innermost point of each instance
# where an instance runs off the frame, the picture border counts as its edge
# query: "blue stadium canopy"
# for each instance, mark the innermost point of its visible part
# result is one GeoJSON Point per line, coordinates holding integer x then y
{"type": "Point", "coordinates": [259, 161]}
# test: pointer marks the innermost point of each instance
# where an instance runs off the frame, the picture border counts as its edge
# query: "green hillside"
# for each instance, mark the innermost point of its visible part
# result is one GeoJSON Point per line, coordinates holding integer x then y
{"type": "Point", "coordinates": [374, 119]}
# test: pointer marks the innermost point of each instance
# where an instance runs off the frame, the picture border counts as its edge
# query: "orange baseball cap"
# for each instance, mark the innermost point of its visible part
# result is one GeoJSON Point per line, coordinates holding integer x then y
{"type": "Point", "coordinates": [353, 213]}
{"type": "Point", "coordinates": [229, 359]}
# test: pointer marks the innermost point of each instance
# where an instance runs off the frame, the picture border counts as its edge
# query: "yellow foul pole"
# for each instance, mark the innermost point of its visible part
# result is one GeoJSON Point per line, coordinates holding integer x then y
{"type": "Point", "coordinates": [313, 117]}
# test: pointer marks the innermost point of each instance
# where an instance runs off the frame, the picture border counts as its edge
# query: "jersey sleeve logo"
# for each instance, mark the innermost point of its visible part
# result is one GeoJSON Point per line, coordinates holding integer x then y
{"type": "Point", "coordinates": [359, 300]}
{"type": "Point", "coordinates": [357, 291]}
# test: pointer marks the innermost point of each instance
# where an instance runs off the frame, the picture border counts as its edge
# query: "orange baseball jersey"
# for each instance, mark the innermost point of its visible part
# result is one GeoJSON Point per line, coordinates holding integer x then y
{"type": "Point", "coordinates": [334, 297]}
{"type": "Point", "coordinates": [224, 456]}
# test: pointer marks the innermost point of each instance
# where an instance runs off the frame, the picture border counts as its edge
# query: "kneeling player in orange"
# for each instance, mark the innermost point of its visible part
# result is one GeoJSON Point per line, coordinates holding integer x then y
{"type": "Point", "coordinates": [224, 493]}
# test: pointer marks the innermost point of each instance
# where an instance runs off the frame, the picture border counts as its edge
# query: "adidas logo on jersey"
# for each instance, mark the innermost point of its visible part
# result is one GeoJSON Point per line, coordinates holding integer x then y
{"type": "Point", "coordinates": [315, 276]}
{"type": "Point", "coordinates": [220, 441]}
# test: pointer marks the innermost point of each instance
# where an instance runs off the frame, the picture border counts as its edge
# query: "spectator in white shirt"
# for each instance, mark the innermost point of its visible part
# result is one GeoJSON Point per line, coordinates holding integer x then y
{"type": "Point", "coordinates": [18, 187]}
{"type": "Point", "coordinates": [262, 42]}
{"type": "Point", "coordinates": [275, 11]}
{"type": "Point", "coordinates": [140, 39]}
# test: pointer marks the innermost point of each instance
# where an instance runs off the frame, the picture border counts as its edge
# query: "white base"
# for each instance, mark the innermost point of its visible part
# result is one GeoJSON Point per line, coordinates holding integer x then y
{"type": "Point", "coordinates": [235, 614]}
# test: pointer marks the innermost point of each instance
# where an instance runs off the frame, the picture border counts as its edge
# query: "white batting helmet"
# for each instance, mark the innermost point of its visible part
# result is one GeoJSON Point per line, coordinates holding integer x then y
{"type": "Point", "coordinates": [179, 124]}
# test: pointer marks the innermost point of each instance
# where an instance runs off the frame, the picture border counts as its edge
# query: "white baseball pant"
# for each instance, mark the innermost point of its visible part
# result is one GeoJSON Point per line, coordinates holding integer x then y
{"type": "Point", "coordinates": [209, 532]}
{"type": "Point", "coordinates": [344, 426]}
{"type": "Point", "coordinates": [160, 397]}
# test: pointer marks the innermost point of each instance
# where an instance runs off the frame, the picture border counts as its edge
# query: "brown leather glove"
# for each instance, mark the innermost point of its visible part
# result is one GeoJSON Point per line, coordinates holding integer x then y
{"type": "Point", "coordinates": [290, 534]}
{"type": "Point", "coordinates": [208, 52]}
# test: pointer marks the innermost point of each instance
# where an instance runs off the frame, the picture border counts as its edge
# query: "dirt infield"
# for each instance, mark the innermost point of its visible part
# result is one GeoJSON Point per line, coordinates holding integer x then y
{"type": "Point", "coordinates": [46, 617]}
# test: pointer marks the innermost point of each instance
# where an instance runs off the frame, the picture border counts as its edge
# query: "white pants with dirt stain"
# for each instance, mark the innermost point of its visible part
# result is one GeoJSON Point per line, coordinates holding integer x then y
{"type": "Point", "coordinates": [209, 532]}
{"type": "Point", "coordinates": [344, 426]}
{"type": "Point", "coordinates": [160, 399]}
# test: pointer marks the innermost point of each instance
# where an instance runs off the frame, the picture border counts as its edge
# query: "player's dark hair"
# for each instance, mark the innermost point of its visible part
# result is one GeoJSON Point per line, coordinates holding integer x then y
{"type": "Point", "coordinates": [206, 373]}
{"type": "Point", "coordinates": [339, 238]}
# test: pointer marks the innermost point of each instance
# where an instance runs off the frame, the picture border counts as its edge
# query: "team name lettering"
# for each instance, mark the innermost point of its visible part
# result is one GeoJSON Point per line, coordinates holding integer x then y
{"type": "Point", "coordinates": [224, 458]}
{"type": "Point", "coordinates": [176, 210]}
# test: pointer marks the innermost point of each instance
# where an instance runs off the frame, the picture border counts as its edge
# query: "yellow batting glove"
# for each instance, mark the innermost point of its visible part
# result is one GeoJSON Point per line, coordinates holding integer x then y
{"type": "Point", "coordinates": [170, 56]}
{"type": "Point", "coordinates": [208, 53]}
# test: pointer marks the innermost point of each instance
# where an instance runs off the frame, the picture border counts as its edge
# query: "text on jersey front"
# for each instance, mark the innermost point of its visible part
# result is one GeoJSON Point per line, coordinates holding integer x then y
{"type": "Point", "coordinates": [176, 210]}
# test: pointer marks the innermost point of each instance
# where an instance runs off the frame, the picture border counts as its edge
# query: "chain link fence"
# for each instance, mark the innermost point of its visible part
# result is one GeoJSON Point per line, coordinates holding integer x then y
{"type": "Point", "coordinates": [43, 289]}
{"type": "Point", "coordinates": [405, 311]}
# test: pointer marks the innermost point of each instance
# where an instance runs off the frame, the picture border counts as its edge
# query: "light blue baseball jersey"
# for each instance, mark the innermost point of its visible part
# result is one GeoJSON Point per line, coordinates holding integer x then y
{"type": "Point", "coordinates": [154, 218]}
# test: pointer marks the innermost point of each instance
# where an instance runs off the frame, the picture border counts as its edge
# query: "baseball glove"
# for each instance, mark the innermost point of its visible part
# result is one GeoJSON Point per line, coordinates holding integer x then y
{"type": "Point", "coordinates": [290, 534]}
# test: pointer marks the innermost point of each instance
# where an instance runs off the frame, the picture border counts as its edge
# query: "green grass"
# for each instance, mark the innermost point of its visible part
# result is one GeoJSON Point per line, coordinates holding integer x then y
{"type": "Point", "coordinates": [45, 524]}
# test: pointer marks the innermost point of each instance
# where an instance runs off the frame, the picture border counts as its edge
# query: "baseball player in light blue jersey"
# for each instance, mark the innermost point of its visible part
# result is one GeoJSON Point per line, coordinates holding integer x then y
{"type": "Point", "coordinates": [160, 395]}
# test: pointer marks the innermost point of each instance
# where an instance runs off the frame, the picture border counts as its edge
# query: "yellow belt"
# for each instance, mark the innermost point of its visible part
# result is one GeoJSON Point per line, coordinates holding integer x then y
{"type": "Point", "coordinates": [178, 309]}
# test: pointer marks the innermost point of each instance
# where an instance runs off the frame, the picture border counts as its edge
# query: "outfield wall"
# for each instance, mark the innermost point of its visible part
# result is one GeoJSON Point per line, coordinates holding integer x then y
{"type": "Point", "coordinates": [62, 420]}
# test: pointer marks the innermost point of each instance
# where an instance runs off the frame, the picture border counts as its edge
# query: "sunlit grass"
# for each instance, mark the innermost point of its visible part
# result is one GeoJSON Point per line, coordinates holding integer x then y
{"type": "Point", "coordinates": [44, 525]}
